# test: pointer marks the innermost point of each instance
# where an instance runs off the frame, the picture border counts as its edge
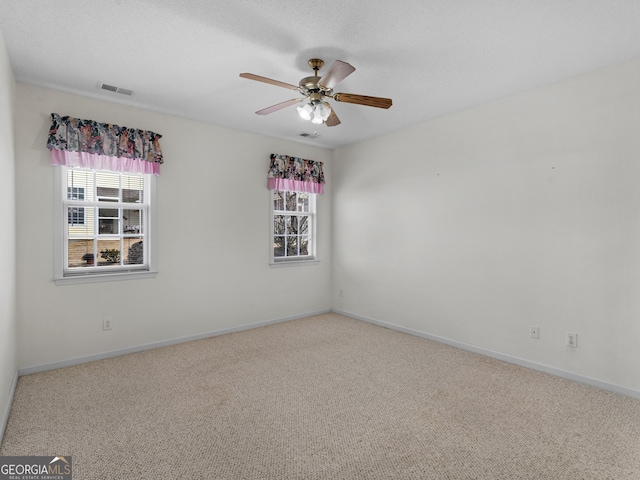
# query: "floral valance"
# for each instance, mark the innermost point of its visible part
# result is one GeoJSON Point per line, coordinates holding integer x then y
{"type": "Point", "coordinates": [295, 174]}
{"type": "Point", "coordinates": [85, 143]}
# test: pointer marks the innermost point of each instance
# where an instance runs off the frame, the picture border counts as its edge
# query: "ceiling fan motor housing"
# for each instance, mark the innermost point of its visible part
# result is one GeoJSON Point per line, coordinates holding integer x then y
{"type": "Point", "coordinates": [310, 85]}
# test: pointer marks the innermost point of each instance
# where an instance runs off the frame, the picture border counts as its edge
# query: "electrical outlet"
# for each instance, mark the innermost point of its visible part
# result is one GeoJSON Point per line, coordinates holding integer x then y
{"type": "Point", "coordinates": [340, 293]}
{"type": "Point", "coordinates": [106, 324]}
{"type": "Point", "coordinates": [572, 339]}
{"type": "Point", "coordinates": [535, 332]}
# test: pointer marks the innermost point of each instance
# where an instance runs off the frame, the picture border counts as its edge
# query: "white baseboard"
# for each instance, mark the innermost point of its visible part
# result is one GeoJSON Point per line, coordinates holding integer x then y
{"type": "Point", "coordinates": [500, 356]}
{"type": "Point", "coordinates": [164, 343]}
{"type": "Point", "coordinates": [5, 414]}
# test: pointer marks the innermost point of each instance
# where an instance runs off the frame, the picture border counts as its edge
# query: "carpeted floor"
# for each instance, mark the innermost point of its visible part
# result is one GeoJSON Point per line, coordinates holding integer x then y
{"type": "Point", "coordinates": [326, 397]}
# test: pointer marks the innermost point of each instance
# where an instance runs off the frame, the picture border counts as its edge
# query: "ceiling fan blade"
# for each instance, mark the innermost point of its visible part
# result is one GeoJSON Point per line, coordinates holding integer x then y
{"type": "Point", "coordinates": [378, 102]}
{"type": "Point", "coordinates": [337, 72]}
{"type": "Point", "coordinates": [333, 119]}
{"type": "Point", "coordinates": [270, 81]}
{"type": "Point", "coordinates": [279, 106]}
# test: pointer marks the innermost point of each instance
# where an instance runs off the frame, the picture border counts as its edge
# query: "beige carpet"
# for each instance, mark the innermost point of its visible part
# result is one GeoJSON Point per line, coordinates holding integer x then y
{"type": "Point", "coordinates": [325, 397]}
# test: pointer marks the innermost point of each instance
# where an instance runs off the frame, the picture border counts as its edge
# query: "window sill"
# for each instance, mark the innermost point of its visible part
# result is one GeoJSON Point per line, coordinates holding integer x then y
{"type": "Point", "coordinates": [293, 263]}
{"type": "Point", "coordinates": [106, 277]}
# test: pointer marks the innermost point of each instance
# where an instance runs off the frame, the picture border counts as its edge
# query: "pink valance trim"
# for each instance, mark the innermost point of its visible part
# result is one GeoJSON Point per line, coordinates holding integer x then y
{"type": "Point", "coordinates": [294, 185]}
{"type": "Point", "coordinates": [103, 162]}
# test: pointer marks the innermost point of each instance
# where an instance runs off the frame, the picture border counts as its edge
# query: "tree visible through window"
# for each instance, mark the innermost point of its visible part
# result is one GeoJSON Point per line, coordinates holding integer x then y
{"type": "Point", "coordinates": [293, 221]}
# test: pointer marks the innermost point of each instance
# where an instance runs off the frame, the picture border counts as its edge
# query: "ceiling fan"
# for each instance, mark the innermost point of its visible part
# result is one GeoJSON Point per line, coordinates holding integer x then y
{"type": "Point", "coordinates": [316, 90]}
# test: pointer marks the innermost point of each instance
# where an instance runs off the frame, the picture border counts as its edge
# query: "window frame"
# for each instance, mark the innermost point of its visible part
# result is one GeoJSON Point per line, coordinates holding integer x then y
{"type": "Point", "coordinates": [60, 217]}
{"type": "Point", "coordinates": [311, 258]}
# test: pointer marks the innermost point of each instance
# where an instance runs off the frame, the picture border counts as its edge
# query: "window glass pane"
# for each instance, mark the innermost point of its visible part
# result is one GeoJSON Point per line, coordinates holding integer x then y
{"type": "Point", "coordinates": [108, 221]}
{"type": "Point", "coordinates": [304, 245]}
{"type": "Point", "coordinates": [132, 189]}
{"type": "Point", "coordinates": [132, 221]}
{"type": "Point", "coordinates": [291, 199]}
{"type": "Point", "coordinates": [288, 226]}
{"type": "Point", "coordinates": [292, 246]}
{"type": "Point", "coordinates": [303, 224]}
{"type": "Point", "coordinates": [108, 253]}
{"type": "Point", "coordinates": [79, 185]}
{"type": "Point", "coordinates": [80, 253]}
{"type": "Point", "coordinates": [303, 202]}
{"type": "Point", "coordinates": [80, 222]}
{"type": "Point", "coordinates": [278, 225]}
{"type": "Point", "coordinates": [278, 200]}
{"type": "Point", "coordinates": [278, 246]}
{"type": "Point", "coordinates": [134, 250]}
{"type": "Point", "coordinates": [108, 186]}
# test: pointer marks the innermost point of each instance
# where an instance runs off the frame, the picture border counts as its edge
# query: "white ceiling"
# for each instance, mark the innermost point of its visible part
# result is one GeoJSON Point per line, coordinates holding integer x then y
{"type": "Point", "coordinates": [432, 57]}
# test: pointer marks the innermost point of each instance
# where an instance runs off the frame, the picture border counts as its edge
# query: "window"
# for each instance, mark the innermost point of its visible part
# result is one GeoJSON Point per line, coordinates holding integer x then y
{"type": "Point", "coordinates": [293, 233]}
{"type": "Point", "coordinates": [105, 223]}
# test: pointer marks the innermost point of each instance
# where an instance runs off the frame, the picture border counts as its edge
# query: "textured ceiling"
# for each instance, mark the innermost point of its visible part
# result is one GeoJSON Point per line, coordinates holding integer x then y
{"type": "Point", "coordinates": [432, 57]}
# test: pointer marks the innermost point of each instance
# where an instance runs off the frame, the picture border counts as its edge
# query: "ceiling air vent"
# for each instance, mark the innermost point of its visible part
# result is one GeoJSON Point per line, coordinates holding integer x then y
{"type": "Point", "coordinates": [310, 135]}
{"type": "Point", "coordinates": [111, 88]}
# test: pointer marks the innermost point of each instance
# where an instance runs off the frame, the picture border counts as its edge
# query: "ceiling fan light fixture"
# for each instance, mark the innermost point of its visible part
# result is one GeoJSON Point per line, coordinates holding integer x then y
{"type": "Point", "coordinates": [323, 109]}
{"type": "Point", "coordinates": [306, 111]}
{"type": "Point", "coordinates": [315, 111]}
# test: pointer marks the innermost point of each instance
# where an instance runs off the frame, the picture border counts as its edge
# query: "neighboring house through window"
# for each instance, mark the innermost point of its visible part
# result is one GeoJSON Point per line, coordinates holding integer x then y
{"type": "Point", "coordinates": [76, 214]}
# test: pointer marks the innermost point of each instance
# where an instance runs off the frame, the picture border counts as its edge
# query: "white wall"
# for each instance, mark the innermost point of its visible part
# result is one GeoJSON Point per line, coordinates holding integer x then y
{"type": "Point", "coordinates": [8, 356]}
{"type": "Point", "coordinates": [213, 239]}
{"type": "Point", "coordinates": [522, 212]}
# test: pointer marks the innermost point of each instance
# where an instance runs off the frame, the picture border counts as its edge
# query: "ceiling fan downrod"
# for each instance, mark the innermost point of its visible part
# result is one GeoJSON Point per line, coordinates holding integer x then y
{"type": "Point", "coordinates": [310, 84]}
